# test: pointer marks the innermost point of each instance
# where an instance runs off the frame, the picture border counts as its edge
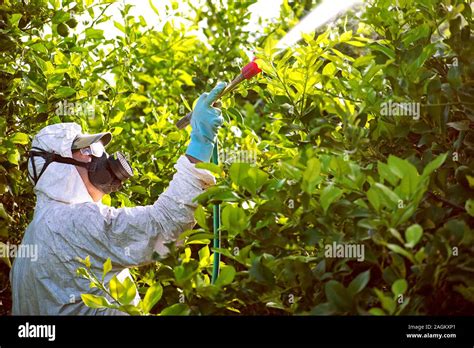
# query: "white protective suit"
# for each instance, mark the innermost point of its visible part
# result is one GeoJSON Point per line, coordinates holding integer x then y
{"type": "Point", "coordinates": [67, 224]}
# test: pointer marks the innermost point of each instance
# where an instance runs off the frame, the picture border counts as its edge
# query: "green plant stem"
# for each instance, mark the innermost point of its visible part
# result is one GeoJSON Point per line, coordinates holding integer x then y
{"type": "Point", "coordinates": [101, 286]}
{"type": "Point", "coordinates": [216, 224]}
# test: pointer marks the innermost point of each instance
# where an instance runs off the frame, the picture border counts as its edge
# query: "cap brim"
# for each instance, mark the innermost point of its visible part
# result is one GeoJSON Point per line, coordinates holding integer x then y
{"type": "Point", "coordinates": [85, 140]}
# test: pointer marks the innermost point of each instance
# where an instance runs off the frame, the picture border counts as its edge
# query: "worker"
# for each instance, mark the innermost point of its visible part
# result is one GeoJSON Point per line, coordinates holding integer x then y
{"type": "Point", "coordinates": [72, 172]}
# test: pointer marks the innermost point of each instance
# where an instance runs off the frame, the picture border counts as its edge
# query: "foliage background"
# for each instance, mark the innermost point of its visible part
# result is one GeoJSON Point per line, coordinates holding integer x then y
{"type": "Point", "coordinates": [330, 166]}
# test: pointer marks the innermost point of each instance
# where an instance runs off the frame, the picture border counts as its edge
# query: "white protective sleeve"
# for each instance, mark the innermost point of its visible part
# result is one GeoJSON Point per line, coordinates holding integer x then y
{"type": "Point", "coordinates": [130, 235]}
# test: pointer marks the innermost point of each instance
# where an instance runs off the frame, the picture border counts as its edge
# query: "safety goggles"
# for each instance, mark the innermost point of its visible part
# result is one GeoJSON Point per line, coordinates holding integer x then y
{"type": "Point", "coordinates": [95, 149]}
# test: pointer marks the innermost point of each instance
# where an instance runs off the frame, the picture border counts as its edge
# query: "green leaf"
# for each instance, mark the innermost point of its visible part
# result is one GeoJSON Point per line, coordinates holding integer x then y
{"type": "Point", "coordinates": [39, 47]}
{"type": "Point", "coordinates": [329, 69]}
{"type": "Point", "coordinates": [391, 198]}
{"type": "Point", "coordinates": [226, 276]}
{"type": "Point", "coordinates": [186, 104]}
{"type": "Point", "coordinates": [457, 228]}
{"type": "Point", "coordinates": [130, 291]}
{"type": "Point", "coordinates": [387, 303]}
{"type": "Point", "coordinates": [401, 251]}
{"type": "Point", "coordinates": [176, 309]}
{"type": "Point", "coordinates": [200, 216]}
{"type": "Point", "coordinates": [212, 167]}
{"type": "Point", "coordinates": [417, 63]}
{"type": "Point", "coordinates": [420, 255]}
{"type": "Point", "coordinates": [415, 34]}
{"type": "Point", "coordinates": [94, 301]}
{"type": "Point", "coordinates": [20, 138]}
{"type": "Point", "coordinates": [107, 267]}
{"type": "Point", "coordinates": [185, 272]}
{"type": "Point", "coordinates": [389, 52]}
{"type": "Point", "coordinates": [311, 175]}
{"type": "Point", "coordinates": [130, 309]}
{"type": "Point", "coordinates": [60, 17]}
{"type": "Point", "coordinates": [374, 198]}
{"type": "Point", "coordinates": [363, 60]}
{"type": "Point", "coordinates": [290, 171]}
{"type": "Point", "coordinates": [239, 172]}
{"type": "Point", "coordinates": [405, 171]}
{"type": "Point", "coordinates": [234, 219]}
{"type": "Point", "coordinates": [269, 45]}
{"type": "Point", "coordinates": [168, 29]}
{"type": "Point", "coordinates": [255, 179]}
{"type": "Point", "coordinates": [470, 180]}
{"type": "Point", "coordinates": [434, 164]}
{"type": "Point", "coordinates": [396, 234]}
{"type": "Point", "coordinates": [346, 36]}
{"type": "Point", "coordinates": [116, 288]}
{"type": "Point", "coordinates": [138, 189]}
{"type": "Point", "coordinates": [359, 282]}
{"type": "Point", "coordinates": [325, 308]}
{"type": "Point", "coordinates": [329, 195]}
{"type": "Point", "coordinates": [153, 7]}
{"type": "Point", "coordinates": [357, 44]}
{"type": "Point", "coordinates": [14, 19]}
{"type": "Point", "coordinates": [235, 114]}
{"type": "Point", "coordinates": [124, 292]}
{"type": "Point", "coordinates": [338, 295]}
{"type": "Point", "coordinates": [152, 296]}
{"type": "Point", "coordinates": [92, 33]}
{"type": "Point", "coordinates": [119, 26]}
{"type": "Point", "coordinates": [204, 256]}
{"type": "Point", "coordinates": [261, 273]}
{"type": "Point", "coordinates": [387, 174]}
{"type": "Point", "coordinates": [377, 311]}
{"type": "Point", "coordinates": [470, 206]}
{"type": "Point", "coordinates": [14, 157]}
{"type": "Point", "coordinates": [173, 137]}
{"type": "Point", "coordinates": [64, 92]}
{"type": "Point", "coordinates": [217, 193]}
{"type": "Point", "coordinates": [86, 261]}
{"type": "Point", "coordinates": [399, 287]}
{"type": "Point", "coordinates": [413, 235]}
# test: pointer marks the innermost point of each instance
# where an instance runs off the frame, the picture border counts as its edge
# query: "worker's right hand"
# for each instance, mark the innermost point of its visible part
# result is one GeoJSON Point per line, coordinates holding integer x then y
{"type": "Point", "coordinates": [205, 123]}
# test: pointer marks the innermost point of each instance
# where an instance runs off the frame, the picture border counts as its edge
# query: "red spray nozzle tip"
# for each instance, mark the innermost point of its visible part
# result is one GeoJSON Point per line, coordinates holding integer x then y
{"type": "Point", "coordinates": [250, 70]}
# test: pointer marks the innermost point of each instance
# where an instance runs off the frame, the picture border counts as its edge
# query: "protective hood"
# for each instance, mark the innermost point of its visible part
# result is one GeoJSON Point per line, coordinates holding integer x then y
{"type": "Point", "coordinates": [60, 182]}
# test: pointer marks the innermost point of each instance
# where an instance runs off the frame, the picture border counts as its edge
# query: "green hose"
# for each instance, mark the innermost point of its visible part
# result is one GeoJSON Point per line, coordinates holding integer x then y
{"type": "Point", "coordinates": [216, 225]}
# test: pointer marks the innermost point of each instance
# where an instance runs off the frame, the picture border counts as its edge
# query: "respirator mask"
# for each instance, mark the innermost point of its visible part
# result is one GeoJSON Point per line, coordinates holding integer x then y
{"type": "Point", "coordinates": [106, 172]}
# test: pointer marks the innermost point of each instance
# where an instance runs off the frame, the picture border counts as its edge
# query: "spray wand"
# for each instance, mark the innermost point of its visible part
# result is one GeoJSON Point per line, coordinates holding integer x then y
{"type": "Point", "coordinates": [247, 72]}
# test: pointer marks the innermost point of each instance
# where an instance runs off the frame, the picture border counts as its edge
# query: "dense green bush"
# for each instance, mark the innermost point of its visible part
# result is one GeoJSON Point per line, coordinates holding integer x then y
{"type": "Point", "coordinates": [338, 160]}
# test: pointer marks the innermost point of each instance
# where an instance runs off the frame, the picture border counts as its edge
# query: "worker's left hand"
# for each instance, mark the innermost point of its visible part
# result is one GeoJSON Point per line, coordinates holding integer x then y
{"type": "Point", "coordinates": [205, 123]}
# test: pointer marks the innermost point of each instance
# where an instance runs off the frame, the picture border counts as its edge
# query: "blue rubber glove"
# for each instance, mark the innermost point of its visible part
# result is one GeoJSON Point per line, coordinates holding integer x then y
{"type": "Point", "coordinates": [205, 123]}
